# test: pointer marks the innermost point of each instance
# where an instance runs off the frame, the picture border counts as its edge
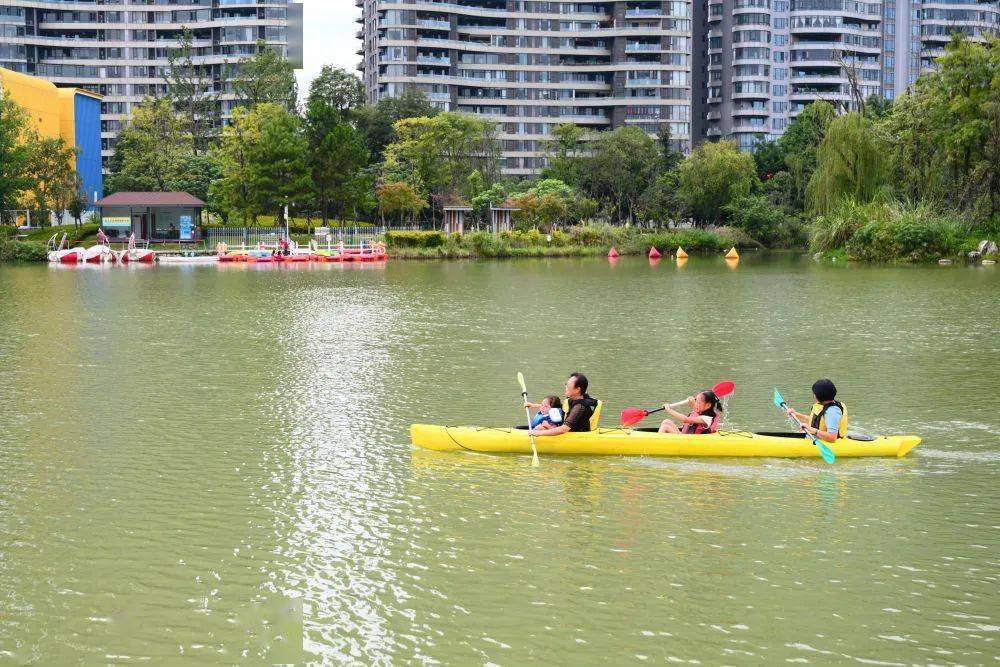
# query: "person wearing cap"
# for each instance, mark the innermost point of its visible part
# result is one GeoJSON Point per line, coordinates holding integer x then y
{"type": "Point", "coordinates": [828, 418]}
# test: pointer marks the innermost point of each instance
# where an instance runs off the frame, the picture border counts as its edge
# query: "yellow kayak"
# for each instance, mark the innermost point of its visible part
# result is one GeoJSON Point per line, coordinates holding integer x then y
{"type": "Point", "coordinates": [643, 442]}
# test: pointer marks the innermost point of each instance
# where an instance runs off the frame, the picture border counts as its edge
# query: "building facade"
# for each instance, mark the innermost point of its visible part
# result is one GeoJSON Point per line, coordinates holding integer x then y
{"type": "Point", "coordinates": [533, 64]}
{"type": "Point", "coordinates": [119, 48]}
{"type": "Point", "coordinates": [68, 113]}
{"type": "Point", "coordinates": [733, 69]}
{"type": "Point", "coordinates": [765, 60]}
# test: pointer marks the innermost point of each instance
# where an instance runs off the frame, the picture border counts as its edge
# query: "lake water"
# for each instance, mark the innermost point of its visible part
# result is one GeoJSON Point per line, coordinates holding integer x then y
{"type": "Point", "coordinates": [214, 463]}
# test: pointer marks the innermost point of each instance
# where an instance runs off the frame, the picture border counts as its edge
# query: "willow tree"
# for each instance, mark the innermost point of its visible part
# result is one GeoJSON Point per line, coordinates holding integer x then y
{"type": "Point", "coordinates": [850, 163]}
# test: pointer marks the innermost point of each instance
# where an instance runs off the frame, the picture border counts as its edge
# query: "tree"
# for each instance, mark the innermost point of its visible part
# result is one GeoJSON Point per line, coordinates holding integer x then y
{"type": "Point", "coordinates": [661, 200]}
{"type": "Point", "coordinates": [565, 149]}
{"type": "Point", "coordinates": [200, 171]}
{"type": "Point", "coordinates": [233, 192]}
{"type": "Point", "coordinates": [77, 205]}
{"type": "Point", "coordinates": [192, 90]}
{"type": "Point", "coordinates": [945, 134]}
{"type": "Point", "coordinates": [669, 154]}
{"type": "Point", "coordinates": [850, 164]}
{"type": "Point", "coordinates": [151, 153]}
{"type": "Point", "coordinates": [801, 142]}
{"type": "Point", "coordinates": [377, 124]}
{"type": "Point", "coordinates": [444, 150]}
{"type": "Point", "coordinates": [262, 163]}
{"type": "Point", "coordinates": [337, 89]}
{"type": "Point", "coordinates": [266, 78]}
{"type": "Point", "coordinates": [50, 164]}
{"type": "Point", "coordinates": [623, 166]}
{"type": "Point", "coordinates": [14, 153]}
{"type": "Point", "coordinates": [337, 154]}
{"type": "Point", "coordinates": [713, 176]}
{"type": "Point", "coordinates": [399, 197]}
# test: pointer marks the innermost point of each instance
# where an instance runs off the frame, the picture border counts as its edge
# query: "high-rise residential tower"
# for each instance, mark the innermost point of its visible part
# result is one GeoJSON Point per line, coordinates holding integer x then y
{"type": "Point", "coordinates": [765, 60]}
{"type": "Point", "coordinates": [119, 48]}
{"type": "Point", "coordinates": [915, 33]}
{"type": "Point", "coordinates": [533, 64]}
{"type": "Point", "coordinates": [768, 59]}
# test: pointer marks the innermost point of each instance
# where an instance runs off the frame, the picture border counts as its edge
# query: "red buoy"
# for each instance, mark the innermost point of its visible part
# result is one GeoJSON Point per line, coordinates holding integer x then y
{"type": "Point", "coordinates": [612, 252]}
{"type": "Point", "coordinates": [654, 253]}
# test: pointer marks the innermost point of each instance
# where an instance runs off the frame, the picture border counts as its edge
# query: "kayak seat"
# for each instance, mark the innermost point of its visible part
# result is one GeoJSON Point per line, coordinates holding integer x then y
{"type": "Point", "coordinates": [596, 417]}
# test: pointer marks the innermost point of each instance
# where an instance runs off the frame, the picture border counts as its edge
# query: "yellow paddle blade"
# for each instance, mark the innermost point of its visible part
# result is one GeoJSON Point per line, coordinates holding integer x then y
{"type": "Point", "coordinates": [520, 379]}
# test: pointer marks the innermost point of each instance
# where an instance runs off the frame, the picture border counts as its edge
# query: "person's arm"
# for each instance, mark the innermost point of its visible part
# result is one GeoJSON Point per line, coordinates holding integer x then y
{"type": "Point", "coordinates": [555, 430]}
{"type": "Point", "coordinates": [533, 406]}
{"type": "Point", "coordinates": [683, 417]}
{"type": "Point", "coordinates": [799, 417]}
{"type": "Point", "coordinates": [574, 415]}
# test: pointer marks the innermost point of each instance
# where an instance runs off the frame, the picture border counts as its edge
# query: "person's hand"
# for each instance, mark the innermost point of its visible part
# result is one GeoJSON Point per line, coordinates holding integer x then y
{"type": "Point", "coordinates": [527, 404]}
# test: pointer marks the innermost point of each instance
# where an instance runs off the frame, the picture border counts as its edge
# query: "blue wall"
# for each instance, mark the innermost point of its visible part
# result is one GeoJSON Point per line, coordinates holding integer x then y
{"type": "Point", "coordinates": [87, 120]}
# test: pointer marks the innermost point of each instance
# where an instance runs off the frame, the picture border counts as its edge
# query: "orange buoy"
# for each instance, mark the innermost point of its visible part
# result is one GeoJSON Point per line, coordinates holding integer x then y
{"type": "Point", "coordinates": [732, 254]}
{"type": "Point", "coordinates": [654, 253]}
{"type": "Point", "coordinates": [612, 253]}
{"type": "Point", "coordinates": [680, 253]}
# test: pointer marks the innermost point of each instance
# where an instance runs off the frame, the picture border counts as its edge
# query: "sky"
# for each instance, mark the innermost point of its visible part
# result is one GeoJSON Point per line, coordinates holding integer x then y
{"type": "Point", "coordinates": [328, 35]}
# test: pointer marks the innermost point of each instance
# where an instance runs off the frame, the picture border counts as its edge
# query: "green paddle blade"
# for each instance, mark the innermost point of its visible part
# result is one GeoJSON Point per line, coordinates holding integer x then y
{"type": "Point", "coordinates": [520, 379]}
{"type": "Point", "coordinates": [778, 400]}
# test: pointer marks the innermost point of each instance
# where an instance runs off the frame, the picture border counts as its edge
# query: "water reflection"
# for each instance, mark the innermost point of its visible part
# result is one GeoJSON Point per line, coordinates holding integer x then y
{"type": "Point", "coordinates": [211, 462]}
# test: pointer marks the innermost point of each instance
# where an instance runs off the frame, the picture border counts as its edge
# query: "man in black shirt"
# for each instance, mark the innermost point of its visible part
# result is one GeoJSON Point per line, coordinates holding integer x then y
{"type": "Point", "coordinates": [580, 409]}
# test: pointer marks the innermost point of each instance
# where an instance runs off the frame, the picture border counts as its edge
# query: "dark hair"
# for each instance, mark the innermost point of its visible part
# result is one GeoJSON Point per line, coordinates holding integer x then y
{"type": "Point", "coordinates": [580, 380]}
{"type": "Point", "coordinates": [824, 390]}
{"type": "Point", "coordinates": [713, 401]}
{"type": "Point", "coordinates": [555, 402]}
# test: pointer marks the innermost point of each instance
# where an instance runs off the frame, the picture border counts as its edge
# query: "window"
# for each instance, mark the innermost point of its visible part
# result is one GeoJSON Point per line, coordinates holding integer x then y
{"type": "Point", "coordinates": [780, 90]}
{"type": "Point", "coordinates": [779, 107]}
{"type": "Point", "coordinates": [781, 40]}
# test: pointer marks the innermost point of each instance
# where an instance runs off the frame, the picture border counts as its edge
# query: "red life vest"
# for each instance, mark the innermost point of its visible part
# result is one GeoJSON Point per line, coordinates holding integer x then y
{"type": "Point", "coordinates": [699, 428]}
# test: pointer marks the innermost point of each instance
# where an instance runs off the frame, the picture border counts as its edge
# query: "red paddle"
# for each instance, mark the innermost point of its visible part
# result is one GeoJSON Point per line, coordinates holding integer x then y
{"type": "Point", "coordinates": [632, 416]}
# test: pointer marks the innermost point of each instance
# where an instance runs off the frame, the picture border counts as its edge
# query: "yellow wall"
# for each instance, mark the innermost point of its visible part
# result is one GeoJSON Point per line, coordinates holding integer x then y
{"type": "Point", "coordinates": [51, 109]}
{"type": "Point", "coordinates": [39, 98]}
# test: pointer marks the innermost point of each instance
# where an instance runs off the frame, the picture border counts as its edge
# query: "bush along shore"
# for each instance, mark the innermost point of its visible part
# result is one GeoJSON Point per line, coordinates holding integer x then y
{"type": "Point", "coordinates": [580, 241]}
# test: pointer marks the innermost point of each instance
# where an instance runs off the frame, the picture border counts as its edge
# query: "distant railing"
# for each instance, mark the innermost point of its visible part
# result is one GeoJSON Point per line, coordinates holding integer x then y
{"type": "Point", "coordinates": [244, 236]}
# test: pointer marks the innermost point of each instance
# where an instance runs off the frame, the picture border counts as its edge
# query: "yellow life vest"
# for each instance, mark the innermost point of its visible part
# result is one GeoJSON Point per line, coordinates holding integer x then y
{"type": "Point", "coordinates": [818, 417]}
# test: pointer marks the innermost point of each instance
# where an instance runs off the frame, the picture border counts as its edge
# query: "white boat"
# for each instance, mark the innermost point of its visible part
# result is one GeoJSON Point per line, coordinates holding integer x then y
{"type": "Point", "coordinates": [188, 259]}
{"type": "Point", "coordinates": [134, 254]}
{"type": "Point", "coordinates": [99, 254]}
{"type": "Point", "coordinates": [62, 255]}
{"type": "Point", "coordinates": [141, 255]}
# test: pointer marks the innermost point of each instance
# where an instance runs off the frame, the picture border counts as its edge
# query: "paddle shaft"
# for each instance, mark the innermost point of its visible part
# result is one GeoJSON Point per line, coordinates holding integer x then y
{"type": "Point", "coordinates": [531, 434]}
{"type": "Point", "coordinates": [662, 408]}
{"type": "Point", "coordinates": [802, 427]}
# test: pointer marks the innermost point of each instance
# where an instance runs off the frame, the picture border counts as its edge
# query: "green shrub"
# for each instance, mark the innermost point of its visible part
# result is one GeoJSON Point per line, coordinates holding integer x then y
{"type": "Point", "coordinates": [29, 251]}
{"type": "Point", "coordinates": [761, 219]}
{"type": "Point", "coordinates": [911, 233]}
{"type": "Point", "coordinates": [7, 231]}
{"type": "Point", "coordinates": [414, 239]}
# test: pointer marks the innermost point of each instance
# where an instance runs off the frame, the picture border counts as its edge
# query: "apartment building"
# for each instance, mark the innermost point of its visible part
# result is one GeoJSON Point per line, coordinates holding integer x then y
{"type": "Point", "coordinates": [119, 48]}
{"type": "Point", "coordinates": [766, 60]}
{"type": "Point", "coordinates": [533, 64]}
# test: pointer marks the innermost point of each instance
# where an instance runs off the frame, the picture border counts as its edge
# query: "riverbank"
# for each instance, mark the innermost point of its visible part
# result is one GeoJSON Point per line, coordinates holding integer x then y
{"type": "Point", "coordinates": [585, 241]}
{"type": "Point", "coordinates": [891, 231]}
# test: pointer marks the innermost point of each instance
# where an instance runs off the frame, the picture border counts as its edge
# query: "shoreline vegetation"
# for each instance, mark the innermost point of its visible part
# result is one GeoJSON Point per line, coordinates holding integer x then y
{"type": "Point", "coordinates": [912, 179]}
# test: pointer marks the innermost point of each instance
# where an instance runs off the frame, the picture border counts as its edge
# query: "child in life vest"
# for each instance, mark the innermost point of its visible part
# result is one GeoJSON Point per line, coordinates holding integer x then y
{"type": "Point", "coordinates": [706, 412]}
{"type": "Point", "coordinates": [549, 413]}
